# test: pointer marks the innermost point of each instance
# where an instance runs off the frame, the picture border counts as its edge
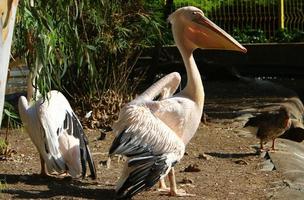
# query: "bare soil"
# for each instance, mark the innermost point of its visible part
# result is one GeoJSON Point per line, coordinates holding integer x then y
{"type": "Point", "coordinates": [225, 163]}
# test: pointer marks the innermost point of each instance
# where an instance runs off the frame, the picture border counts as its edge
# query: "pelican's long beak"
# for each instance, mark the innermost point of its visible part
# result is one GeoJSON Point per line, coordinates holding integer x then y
{"type": "Point", "coordinates": [207, 35]}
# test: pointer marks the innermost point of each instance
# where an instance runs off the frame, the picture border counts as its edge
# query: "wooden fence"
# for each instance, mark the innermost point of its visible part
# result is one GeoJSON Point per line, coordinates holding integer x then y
{"type": "Point", "coordinates": [17, 80]}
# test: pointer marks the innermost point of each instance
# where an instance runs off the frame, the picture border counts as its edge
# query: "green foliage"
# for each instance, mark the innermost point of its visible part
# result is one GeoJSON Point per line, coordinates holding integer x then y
{"type": "Point", "coordinates": [89, 46]}
{"type": "Point", "coordinates": [208, 5]}
{"type": "Point", "coordinates": [10, 116]}
{"type": "Point", "coordinates": [249, 35]}
{"type": "Point", "coordinates": [286, 35]}
{"type": "Point", "coordinates": [3, 147]}
{"type": "Point", "coordinates": [205, 5]}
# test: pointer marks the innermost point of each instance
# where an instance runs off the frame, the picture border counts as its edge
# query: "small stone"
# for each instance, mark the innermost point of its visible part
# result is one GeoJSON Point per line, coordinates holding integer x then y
{"type": "Point", "coordinates": [204, 156]}
{"type": "Point", "coordinates": [267, 165]}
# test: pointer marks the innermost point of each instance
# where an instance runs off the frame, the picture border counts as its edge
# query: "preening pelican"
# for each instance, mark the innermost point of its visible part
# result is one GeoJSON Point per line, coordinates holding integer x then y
{"type": "Point", "coordinates": [153, 134]}
{"type": "Point", "coordinates": [56, 132]}
{"type": "Point", "coordinates": [7, 22]}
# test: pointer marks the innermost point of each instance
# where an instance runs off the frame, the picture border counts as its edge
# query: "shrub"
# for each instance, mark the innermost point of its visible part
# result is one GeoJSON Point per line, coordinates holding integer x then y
{"type": "Point", "coordinates": [87, 47]}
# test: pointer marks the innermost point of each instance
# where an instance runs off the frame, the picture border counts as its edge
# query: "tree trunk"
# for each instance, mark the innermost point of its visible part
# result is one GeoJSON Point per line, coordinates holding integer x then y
{"type": "Point", "coordinates": [7, 21]}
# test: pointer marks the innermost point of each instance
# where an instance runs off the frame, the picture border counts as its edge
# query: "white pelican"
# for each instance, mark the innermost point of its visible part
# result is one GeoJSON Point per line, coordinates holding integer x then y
{"type": "Point", "coordinates": [153, 134]}
{"type": "Point", "coordinates": [56, 132]}
{"type": "Point", "coordinates": [7, 22]}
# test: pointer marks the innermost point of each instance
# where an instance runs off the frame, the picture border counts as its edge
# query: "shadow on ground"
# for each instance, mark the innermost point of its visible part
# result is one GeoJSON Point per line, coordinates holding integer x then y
{"type": "Point", "coordinates": [56, 187]}
{"type": "Point", "coordinates": [231, 155]}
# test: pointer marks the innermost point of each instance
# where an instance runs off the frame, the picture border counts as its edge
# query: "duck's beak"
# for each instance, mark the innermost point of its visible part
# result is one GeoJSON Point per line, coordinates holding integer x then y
{"type": "Point", "coordinates": [207, 35]}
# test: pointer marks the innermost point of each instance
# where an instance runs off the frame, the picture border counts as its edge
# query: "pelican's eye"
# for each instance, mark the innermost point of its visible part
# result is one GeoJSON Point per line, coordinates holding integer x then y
{"type": "Point", "coordinates": [197, 13]}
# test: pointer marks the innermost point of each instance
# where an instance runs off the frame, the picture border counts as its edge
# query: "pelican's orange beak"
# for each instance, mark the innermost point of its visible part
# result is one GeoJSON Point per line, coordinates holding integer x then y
{"type": "Point", "coordinates": [207, 35]}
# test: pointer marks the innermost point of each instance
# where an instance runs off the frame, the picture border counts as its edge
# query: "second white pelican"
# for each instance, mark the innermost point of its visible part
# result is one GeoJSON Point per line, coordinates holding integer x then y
{"type": "Point", "coordinates": [56, 132]}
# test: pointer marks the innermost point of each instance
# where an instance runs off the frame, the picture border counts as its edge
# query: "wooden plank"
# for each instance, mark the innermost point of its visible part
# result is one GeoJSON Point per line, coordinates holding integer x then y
{"type": "Point", "coordinates": [19, 72]}
{"type": "Point", "coordinates": [17, 80]}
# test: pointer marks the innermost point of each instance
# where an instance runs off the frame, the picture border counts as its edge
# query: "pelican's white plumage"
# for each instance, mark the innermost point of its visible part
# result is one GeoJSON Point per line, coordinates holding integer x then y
{"type": "Point", "coordinates": [57, 133]}
{"type": "Point", "coordinates": [8, 11]}
{"type": "Point", "coordinates": [153, 133]}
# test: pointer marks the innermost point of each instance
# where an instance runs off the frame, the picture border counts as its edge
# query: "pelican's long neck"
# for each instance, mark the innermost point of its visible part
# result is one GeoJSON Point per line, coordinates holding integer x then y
{"type": "Point", "coordinates": [194, 88]}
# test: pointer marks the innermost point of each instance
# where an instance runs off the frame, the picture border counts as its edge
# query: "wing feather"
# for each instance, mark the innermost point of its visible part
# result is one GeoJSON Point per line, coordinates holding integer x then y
{"type": "Point", "coordinates": [50, 139]}
{"type": "Point", "coordinates": [163, 88]}
{"type": "Point", "coordinates": [57, 118]}
{"type": "Point", "coordinates": [152, 147]}
{"type": "Point", "coordinates": [139, 127]}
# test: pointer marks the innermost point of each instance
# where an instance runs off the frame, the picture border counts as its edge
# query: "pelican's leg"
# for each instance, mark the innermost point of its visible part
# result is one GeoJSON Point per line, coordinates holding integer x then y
{"type": "Point", "coordinates": [173, 189]}
{"type": "Point", "coordinates": [44, 172]}
{"type": "Point", "coordinates": [162, 185]}
{"type": "Point", "coordinates": [61, 174]}
{"type": "Point", "coordinates": [43, 168]}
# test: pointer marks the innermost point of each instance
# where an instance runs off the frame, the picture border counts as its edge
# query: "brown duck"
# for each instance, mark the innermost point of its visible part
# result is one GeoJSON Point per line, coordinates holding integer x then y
{"type": "Point", "coordinates": [270, 125]}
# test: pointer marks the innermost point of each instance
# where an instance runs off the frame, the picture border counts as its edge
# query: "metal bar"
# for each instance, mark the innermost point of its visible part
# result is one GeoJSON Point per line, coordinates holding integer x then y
{"type": "Point", "coordinates": [281, 22]}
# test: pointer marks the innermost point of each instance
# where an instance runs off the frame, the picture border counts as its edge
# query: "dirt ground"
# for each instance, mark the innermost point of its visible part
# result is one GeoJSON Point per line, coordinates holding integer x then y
{"type": "Point", "coordinates": [225, 161]}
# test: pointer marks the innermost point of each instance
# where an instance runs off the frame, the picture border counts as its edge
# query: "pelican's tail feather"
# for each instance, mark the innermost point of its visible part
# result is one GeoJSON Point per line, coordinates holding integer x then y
{"type": "Point", "coordinates": [141, 173]}
{"type": "Point", "coordinates": [91, 163]}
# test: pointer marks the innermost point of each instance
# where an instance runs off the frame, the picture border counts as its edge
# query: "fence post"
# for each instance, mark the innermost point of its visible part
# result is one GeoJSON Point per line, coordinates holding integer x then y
{"type": "Point", "coordinates": [168, 7]}
{"type": "Point", "coordinates": [281, 18]}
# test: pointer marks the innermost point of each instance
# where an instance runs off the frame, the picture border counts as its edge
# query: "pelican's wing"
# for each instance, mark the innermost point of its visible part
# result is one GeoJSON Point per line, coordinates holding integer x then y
{"type": "Point", "coordinates": [175, 112]}
{"type": "Point", "coordinates": [73, 127]}
{"type": "Point", "coordinates": [31, 120]}
{"type": "Point", "coordinates": [163, 88]}
{"type": "Point", "coordinates": [47, 143]}
{"type": "Point", "coordinates": [57, 118]}
{"type": "Point", "coordinates": [152, 147]}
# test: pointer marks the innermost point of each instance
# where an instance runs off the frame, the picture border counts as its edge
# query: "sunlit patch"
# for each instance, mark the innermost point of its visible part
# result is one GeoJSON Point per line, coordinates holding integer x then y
{"type": "Point", "coordinates": [5, 13]}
